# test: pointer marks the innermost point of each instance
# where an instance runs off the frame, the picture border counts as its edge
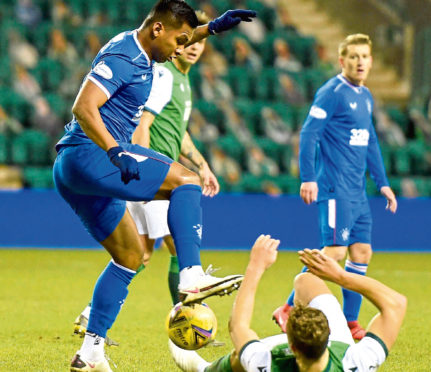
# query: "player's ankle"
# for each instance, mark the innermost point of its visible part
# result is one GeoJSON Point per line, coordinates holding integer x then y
{"type": "Point", "coordinates": [188, 275]}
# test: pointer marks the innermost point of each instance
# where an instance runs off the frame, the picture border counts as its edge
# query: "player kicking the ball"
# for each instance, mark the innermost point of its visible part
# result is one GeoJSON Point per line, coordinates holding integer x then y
{"type": "Point", "coordinates": [97, 169]}
{"type": "Point", "coordinates": [163, 128]}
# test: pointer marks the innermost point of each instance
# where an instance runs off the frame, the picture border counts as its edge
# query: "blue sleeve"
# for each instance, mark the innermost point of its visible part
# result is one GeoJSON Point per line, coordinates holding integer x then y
{"type": "Point", "coordinates": [375, 163]}
{"type": "Point", "coordinates": [111, 73]}
{"type": "Point", "coordinates": [321, 111]}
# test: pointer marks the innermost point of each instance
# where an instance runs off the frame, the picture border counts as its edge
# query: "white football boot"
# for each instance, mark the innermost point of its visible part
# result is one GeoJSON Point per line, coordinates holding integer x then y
{"type": "Point", "coordinates": [78, 364]}
{"type": "Point", "coordinates": [206, 285]}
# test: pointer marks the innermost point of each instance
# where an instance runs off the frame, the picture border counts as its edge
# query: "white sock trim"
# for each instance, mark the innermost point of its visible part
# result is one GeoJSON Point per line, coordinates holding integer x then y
{"type": "Point", "coordinates": [123, 268]}
{"type": "Point", "coordinates": [362, 268]}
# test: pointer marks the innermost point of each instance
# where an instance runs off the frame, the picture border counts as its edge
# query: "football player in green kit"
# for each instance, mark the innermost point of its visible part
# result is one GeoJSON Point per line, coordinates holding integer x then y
{"type": "Point", "coordinates": [317, 338]}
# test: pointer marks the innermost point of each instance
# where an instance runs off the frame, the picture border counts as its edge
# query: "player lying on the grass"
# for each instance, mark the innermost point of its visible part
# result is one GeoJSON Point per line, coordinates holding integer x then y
{"type": "Point", "coordinates": [318, 338]}
{"type": "Point", "coordinates": [97, 169]}
{"type": "Point", "coordinates": [341, 122]}
{"type": "Point", "coordinates": [163, 128]}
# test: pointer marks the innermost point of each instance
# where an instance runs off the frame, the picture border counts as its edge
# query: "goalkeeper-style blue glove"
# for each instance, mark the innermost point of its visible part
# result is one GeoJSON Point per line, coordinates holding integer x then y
{"type": "Point", "coordinates": [127, 164]}
{"type": "Point", "coordinates": [230, 19]}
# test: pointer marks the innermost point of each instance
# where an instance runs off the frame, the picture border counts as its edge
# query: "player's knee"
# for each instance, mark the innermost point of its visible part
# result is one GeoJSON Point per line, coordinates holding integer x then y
{"type": "Point", "coordinates": [190, 178]}
{"type": "Point", "coordinates": [179, 175]}
{"type": "Point", "coordinates": [360, 253]}
{"type": "Point", "coordinates": [338, 253]}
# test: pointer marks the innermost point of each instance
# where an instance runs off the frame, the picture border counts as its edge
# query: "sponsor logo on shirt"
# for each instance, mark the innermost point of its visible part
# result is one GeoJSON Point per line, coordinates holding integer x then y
{"type": "Point", "coordinates": [359, 137]}
{"type": "Point", "coordinates": [103, 70]}
{"type": "Point", "coordinates": [317, 112]}
{"type": "Point", "coordinates": [353, 105]}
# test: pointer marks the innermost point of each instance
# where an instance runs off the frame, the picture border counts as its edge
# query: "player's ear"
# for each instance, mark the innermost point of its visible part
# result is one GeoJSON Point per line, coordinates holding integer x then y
{"type": "Point", "coordinates": [341, 61]}
{"type": "Point", "coordinates": [157, 29]}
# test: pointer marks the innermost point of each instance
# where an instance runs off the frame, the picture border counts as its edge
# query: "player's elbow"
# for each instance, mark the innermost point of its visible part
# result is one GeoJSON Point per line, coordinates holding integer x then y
{"type": "Point", "coordinates": [401, 303]}
{"type": "Point", "coordinates": [397, 305]}
{"type": "Point", "coordinates": [78, 110]}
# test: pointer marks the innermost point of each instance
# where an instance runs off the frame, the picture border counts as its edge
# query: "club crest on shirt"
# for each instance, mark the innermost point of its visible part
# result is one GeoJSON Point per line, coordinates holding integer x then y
{"type": "Point", "coordinates": [103, 70]}
{"type": "Point", "coordinates": [345, 233]}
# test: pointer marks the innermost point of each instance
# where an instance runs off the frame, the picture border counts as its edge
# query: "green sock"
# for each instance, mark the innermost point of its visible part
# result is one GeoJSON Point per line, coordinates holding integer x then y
{"type": "Point", "coordinates": [220, 365]}
{"type": "Point", "coordinates": [174, 279]}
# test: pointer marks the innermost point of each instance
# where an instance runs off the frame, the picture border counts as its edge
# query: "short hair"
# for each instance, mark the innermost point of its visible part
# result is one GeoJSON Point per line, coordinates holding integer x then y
{"type": "Point", "coordinates": [354, 39]}
{"type": "Point", "coordinates": [202, 17]}
{"type": "Point", "coordinates": [172, 12]}
{"type": "Point", "coordinates": [308, 331]}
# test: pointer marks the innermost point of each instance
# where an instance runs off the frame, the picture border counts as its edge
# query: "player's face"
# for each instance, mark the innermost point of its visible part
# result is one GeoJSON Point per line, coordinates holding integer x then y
{"type": "Point", "coordinates": [193, 52]}
{"type": "Point", "coordinates": [169, 42]}
{"type": "Point", "coordinates": [356, 64]}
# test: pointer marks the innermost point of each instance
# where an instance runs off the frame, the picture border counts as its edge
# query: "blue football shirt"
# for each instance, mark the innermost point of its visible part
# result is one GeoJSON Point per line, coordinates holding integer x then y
{"type": "Point", "coordinates": [338, 142]}
{"type": "Point", "coordinates": [123, 71]}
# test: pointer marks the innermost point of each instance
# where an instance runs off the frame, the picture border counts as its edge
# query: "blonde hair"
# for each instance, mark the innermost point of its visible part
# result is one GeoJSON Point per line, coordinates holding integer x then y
{"type": "Point", "coordinates": [354, 39]}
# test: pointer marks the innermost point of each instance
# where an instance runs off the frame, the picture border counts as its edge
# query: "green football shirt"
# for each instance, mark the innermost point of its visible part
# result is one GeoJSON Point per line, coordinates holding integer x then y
{"type": "Point", "coordinates": [171, 101]}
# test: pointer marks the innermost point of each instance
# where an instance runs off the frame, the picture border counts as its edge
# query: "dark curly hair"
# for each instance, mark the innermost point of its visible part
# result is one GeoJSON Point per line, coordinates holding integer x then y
{"type": "Point", "coordinates": [308, 331]}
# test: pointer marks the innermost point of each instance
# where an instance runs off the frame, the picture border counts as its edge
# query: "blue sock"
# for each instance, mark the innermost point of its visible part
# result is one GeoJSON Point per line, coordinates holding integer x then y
{"type": "Point", "coordinates": [351, 300]}
{"type": "Point", "coordinates": [185, 224]}
{"type": "Point", "coordinates": [109, 295]}
{"type": "Point", "coordinates": [292, 294]}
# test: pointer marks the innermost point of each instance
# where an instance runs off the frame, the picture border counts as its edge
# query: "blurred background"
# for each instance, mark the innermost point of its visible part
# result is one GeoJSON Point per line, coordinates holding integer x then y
{"type": "Point", "coordinates": [252, 88]}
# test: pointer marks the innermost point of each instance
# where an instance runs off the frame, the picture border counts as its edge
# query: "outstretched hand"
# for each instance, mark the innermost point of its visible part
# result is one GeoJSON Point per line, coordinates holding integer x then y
{"type": "Point", "coordinates": [128, 165]}
{"type": "Point", "coordinates": [321, 265]}
{"type": "Point", "coordinates": [230, 19]}
{"type": "Point", "coordinates": [264, 252]}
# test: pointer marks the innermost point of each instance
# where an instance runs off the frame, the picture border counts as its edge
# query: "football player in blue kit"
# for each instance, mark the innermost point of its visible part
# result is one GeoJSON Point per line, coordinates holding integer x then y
{"type": "Point", "coordinates": [338, 143]}
{"type": "Point", "coordinates": [97, 169]}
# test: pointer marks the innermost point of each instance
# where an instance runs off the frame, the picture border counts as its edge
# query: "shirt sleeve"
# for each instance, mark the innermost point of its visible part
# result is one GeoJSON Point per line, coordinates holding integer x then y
{"type": "Point", "coordinates": [111, 73]}
{"type": "Point", "coordinates": [161, 91]}
{"type": "Point", "coordinates": [321, 111]}
{"type": "Point", "coordinates": [255, 356]}
{"type": "Point", "coordinates": [375, 163]}
{"type": "Point", "coordinates": [367, 355]}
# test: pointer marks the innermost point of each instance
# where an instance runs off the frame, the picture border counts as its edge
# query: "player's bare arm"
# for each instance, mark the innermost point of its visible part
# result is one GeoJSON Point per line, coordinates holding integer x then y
{"type": "Point", "coordinates": [392, 203]}
{"type": "Point", "coordinates": [86, 110]}
{"type": "Point", "coordinates": [308, 192]}
{"type": "Point", "coordinates": [211, 186]}
{"type": "Point", "coordinates": [263, 255]}
{"type": "Point", "coordinates": [391, 304]}
{"type": "Point", "coordinates": [141, 135]}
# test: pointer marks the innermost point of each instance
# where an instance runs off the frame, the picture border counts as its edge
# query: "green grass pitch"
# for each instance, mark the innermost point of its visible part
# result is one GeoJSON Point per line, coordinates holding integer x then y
{"type": "Point", "coordinates": [42, 291]}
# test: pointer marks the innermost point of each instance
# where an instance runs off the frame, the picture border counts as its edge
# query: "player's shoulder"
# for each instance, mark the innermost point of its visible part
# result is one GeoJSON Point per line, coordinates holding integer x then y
{"type": "Point", "coordinates": [126, 46]}
{"type": "Point", "coordinates": [332, 86]}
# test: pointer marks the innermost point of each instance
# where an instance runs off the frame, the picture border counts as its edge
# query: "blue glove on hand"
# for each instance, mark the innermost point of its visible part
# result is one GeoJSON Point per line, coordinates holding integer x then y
{"type": "Point", "coordinates": [127, 164]}
{"type": "Point", "coordinates": [230, 19]}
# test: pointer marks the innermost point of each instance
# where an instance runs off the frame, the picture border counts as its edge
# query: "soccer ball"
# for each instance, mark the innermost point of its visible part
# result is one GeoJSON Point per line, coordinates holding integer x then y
{"type": "Point", "coordinates": [191, 326]}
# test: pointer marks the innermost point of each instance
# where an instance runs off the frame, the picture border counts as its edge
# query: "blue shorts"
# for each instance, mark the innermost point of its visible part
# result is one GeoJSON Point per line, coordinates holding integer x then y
{"type": "Point", "coordinates": [85, 177]}
{"type": "Point", "coordinates": [344, 222]}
